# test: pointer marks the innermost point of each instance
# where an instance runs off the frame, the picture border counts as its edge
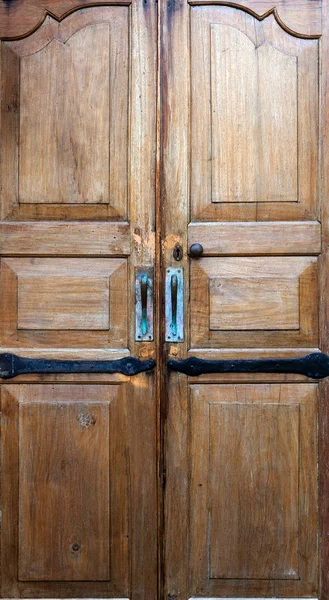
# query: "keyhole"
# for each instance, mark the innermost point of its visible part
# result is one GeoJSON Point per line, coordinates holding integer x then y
{"type": "Point", "coordinates": [178, 252]}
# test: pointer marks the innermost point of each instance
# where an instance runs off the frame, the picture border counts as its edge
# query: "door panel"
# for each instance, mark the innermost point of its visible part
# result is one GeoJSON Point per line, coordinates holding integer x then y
{"type": "Point", "coordinates": [276, 238]}
{"type": "Point", "coordinates": [66, 495]}
{"type": "Point", "coordinates": [65, 302]}
{"type": "Point", "coordinates": [253, 488]}
{"type": "Point", "coordinates": [254, 302]}
{"type": "Point", "coordinates": [55, 82]}
{"type": "Point", "coordinates": [254, 118]}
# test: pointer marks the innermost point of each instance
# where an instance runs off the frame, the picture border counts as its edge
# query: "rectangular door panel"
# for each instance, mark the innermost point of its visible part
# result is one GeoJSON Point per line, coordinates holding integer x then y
{"type": "Point", "coordinates": [76, 506]}
{"type": "Point", "coordinates": [253, 489]}
{"type": "Point", "coordinates": [254, 302]}
{"type": "Point", "coordinates": [66, 487]}
{"type": "Point", "coordinates": [66, 302]}
{"type": "Point", "coordinates": [261, 238]}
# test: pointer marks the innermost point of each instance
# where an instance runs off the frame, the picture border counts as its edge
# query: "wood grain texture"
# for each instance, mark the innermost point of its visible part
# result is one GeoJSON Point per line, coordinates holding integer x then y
{"type": "Point", "coordinates": [250, 303]}
{"type": "Point", "coordinates": [302, 16]}
{"type": "Point", "coordinates": [49, 238]}
{"type": "Point", "coordinates": [84, 176]}
{"type": "Point", "coordinates": [77, 427]}
{"type": "Point", "coordinates": [253, 133]}
{"type": "Point", "coordinates": [260, 302]}
{"type": "Point", "coordinates": [88, 86]}
{"type": "Point", "coordinates": [68, 72]}
{"type": "Point", "coordinates": [245, 433]}
{"type": "Point", "coordinates": [247, 230]}
{"type": "Point", "coordinates": [324, 313]}
{"type": "Point", "coordinates": [263, 167]}
{"type": "Point", "coordinates": [256, 238]}
{"type": "Point", "coordinates": [254, 453]}
{"type": "Point", "coordinates": [175, 216]}
{"type": "Point", "coordinates": [51, 473]}
{"type": "Point", "coordinates": [61, 302]}
{"type": "Point", "coordinates": [49, 231]}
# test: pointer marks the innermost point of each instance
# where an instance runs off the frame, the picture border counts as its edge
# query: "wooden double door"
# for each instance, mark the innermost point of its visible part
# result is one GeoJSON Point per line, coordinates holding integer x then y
{"type": "Point", "coordinates": [132, 130]}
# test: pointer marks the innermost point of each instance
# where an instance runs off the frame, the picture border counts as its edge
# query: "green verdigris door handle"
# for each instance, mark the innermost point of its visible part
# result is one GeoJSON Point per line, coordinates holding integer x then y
{"type": "Point", "coordinates": [144, 304]}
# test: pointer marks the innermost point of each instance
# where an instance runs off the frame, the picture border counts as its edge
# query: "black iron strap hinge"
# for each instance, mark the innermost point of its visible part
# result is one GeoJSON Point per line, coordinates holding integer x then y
{"type": "Point", "coordinates": [315, 366]}
{"type": "Point", "coordinates": [12, 365]}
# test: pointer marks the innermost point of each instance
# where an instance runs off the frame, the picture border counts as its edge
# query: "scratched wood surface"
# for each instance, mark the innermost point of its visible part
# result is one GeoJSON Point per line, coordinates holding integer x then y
{"type": "Point", "coordinates": [59, 78]}
{"type": "Point", "coordinates": [251, 158]}
{"type": "Point", "coordinates": [78, 217]}
{"type": "Point", "coordinates": [78, 165]}
{"type": "Point", "coordinates": [20, 16]}
{"type": "Point", "coordinates": [223, 185]}
{"type": "Point", "coordinates": [252, 451]}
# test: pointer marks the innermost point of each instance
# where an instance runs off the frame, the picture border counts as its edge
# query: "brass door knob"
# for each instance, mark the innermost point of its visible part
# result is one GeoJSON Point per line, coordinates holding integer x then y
{"type": "Point", "coordinates": [196, 250]}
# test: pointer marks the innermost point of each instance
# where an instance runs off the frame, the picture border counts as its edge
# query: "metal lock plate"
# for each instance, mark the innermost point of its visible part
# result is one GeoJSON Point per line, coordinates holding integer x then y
{"type": "Point", "coordinates": [174, 304]}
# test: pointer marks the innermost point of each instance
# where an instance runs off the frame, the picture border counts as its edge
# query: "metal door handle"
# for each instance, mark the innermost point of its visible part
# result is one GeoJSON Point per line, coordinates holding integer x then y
{"type": "Point", "coordinates": [315, 365]}
{"type": "Point", "coordinates": [174, 289]}
{"type": "Point", "coordinates": [144, 304]}
{"type": "Point", "coordinates": [144, 283]}
{"type": "Point", "coordinates": [174, 304]}
{"type": "Point", "coordinates": [12, 365]}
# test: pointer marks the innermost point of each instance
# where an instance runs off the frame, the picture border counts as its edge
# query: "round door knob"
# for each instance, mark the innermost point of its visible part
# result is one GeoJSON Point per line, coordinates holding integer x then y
{"type": "Point", "coordinates": [196, 250]}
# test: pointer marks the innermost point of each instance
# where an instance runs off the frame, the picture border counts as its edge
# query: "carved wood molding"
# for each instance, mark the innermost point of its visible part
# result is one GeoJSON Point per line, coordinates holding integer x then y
{"type": "Point", "coordinates": [259, 16]}
{"type": "Point", "coordinates": [20, 18]}
{"type": "Point", "coordinates": [17, 18]}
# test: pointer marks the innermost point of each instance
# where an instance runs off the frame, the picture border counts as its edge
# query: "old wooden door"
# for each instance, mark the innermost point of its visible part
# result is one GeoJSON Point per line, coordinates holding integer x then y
{"type": "Point", "coordinates": [245, 109]}
{"type": "Point", "coordinates": [128, 135]}
{"type": "Point", "coordinates": [78, 141]}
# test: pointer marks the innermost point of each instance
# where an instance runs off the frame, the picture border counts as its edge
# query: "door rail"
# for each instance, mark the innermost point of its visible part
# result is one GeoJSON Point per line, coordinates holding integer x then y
{"type": "Point", "coordinates": [12, 365]}
{"type": "Point", "coordinates": [315, 365]}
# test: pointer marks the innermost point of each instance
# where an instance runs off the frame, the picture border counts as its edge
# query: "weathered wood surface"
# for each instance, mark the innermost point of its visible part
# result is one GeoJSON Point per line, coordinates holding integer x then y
{"type": "Point", "coordinates": [21, 16]}
{"type": "Point", "coordinates": [78, 174]}
{"type": "Point", "coordinates": [221, 181]}
{"type": "Point", "coordinates": [77, 218]}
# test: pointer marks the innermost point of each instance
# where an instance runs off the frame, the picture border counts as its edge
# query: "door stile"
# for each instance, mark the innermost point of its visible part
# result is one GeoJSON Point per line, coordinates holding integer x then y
{"type": "Point", "coordinates": [142, 214]}
{"type": "Point", "coordinates": [158, 322]}
{"type": "Point", "coordinates": [175, 157]}
{"type": "Point", "coordinates": [324, 307]}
